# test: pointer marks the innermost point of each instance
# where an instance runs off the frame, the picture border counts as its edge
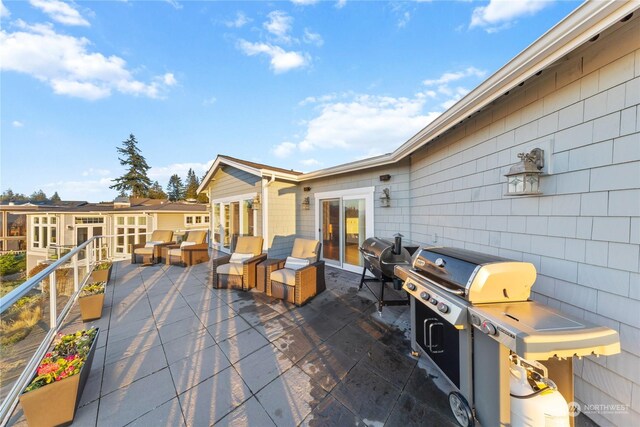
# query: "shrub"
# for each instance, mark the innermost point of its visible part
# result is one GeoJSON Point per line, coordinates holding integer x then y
{"type": "Point", "coordinates": [11, 263]}
{"type": "Point", "coordinates": [93, 289]}
{"type": "Point", "coordinates": [103, 265]}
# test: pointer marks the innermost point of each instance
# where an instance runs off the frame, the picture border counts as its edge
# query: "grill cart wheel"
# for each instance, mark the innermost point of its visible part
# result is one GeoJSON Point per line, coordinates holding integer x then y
{"type": "Point", "coordinates": [461, 410]}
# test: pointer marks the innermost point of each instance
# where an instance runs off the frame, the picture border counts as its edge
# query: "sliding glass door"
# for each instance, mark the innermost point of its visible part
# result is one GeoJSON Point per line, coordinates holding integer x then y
{"type": "Point", "coordinates": [344, 220]}
{"type": "Point", "coordinates": [232, 217]}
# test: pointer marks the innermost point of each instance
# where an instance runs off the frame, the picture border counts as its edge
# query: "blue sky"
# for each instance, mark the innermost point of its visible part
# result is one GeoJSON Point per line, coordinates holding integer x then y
{"type": "Point", "coordinates": [298, 84]}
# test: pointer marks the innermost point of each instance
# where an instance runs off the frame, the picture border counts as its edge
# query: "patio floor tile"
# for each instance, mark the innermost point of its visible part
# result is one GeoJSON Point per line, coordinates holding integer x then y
{"type": "Point", "coordinates": [389, 364]}
{"type": "Point", "coordinates": [257, 314]}
{"type": "Point", "coordinates": [331, 413]}
{"type": "Point", "coordinates": [186, 345]}
{"type": "Point", "coordinates": [197, 367]}
{"type": "Point", "coordinates": [214, 398]}
{"type": "Point", "coordinates": [127, 347]}
{"type": "Point", "coordinates": [180, 328]}
{"type": "Point", "coordinates": [291, 397]}
{"type": "Point", "coordinates": [408, 412]}
{"type": "Point", "coordinates": [228, 328]}
{"type": "Point", "coordinates": [167, 414]}
{"type": "Point", "coordinates": [327, 366]}
{"type": "Point", "coordinates": [274, 328]}
{"type": "Point", "coordinates": [262, 367]}
{"type": "Point", "coordinates": [130, 402]}
{"type": "Point", "coordinates": [297, 343]}
{"type": "Point", "coordinates": [132, 368]}
{"type": "Point", "coordinates": [242, 344]}
{"type": "Point", "coordinates": [250, 413]}
{"type": "Point", "coordinates": [352, 342]}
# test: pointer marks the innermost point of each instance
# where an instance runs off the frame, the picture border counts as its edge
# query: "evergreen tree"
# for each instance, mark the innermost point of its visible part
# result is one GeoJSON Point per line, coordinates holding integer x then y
{"type": "Point", "coordinates": [135, 181]}
{"type": "Point", "coordinates": [55, 198]}
{"type": "Point", "coordinates": [38, 196]}
{"type": "Point", "coordinates": [175, 188]}
{"type": "Point", "coordinates": [202, 197]}
{"type": "Point", "coordinates": [156, 191]}
{"type": "Point", "coordinates": [192, 183]}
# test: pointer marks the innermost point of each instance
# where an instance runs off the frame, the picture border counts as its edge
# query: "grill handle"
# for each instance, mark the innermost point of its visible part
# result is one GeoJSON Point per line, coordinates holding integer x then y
{"type": "Point", "coordinates": [444, 288]}
{"type": "Point", "coordinates": [430, 345]}
{"type": "Point", "coordinates": [366, 253]}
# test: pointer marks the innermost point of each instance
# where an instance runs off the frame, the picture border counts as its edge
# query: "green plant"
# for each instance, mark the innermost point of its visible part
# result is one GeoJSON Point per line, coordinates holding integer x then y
{"type": "Point", "coordinates": [103, 265]}
{"type": "Point", "coordinates": [93, 289]}
{"type": "Point", "coordinates": [65, 359]}
{"type": "Point", "coordinates": [11, 263]}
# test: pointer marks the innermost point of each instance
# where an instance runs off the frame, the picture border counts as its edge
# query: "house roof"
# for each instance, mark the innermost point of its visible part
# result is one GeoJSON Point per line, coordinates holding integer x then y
{"type": "Point", "coordinates": [257, 169]}
{"type": "Point", "coordinates": [137, 205]}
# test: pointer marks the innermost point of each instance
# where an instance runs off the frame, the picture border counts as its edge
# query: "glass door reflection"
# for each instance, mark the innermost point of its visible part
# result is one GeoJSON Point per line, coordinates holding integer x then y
{"type": "Point", "coordinates": [330, 230]}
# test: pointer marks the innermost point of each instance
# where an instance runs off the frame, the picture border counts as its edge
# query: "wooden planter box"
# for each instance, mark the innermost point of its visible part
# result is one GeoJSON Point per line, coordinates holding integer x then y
{"type": "Point", "coordinates": [55, 404]}
{"type": "Point", "coordinates": [101, 275]}
{"type": "Point", "coordinates": [91, 306]}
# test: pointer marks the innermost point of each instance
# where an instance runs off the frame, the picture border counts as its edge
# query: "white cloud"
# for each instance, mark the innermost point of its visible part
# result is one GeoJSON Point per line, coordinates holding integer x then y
{"type": "Point", "coordinates": [284, 149]}
{"type": "Point", "coordinates": [317, 99]}
{"type": "Point", "coordinates": [312, 38]}
{"type": "Point", "coordinates": [310, 162]}
{"type": "Point", "coordinates": [174, 3]}
{"type": "Point", "coordinates": [240, 21]}
{"type": "Point", "coordinates": [4, 12]}
{"type": "Point", "coordinates": [341, 3]}
{"type": "Point", "coordinates": [279, 24]}
{"type": "Point", "coordinates": [163, 173]}
{"type": "Point", "coordinates": [90, 189]}
{"type": "Point", "coordinates": [500, 14]}
{"type": "Point", "coordinates": [209, 101]}
{"type": "Point", "coordinates": [17, 124]}
{"type": "Point", "coordinates": [404, 19]}
{"type": "Point", "coordinates": [281, 60]}
{"type": "Point", "coordinates": [453, 76]}
{"type": "Point", "coordinates": [61, 12]}
{"type": "Point", "coordinates": [64, 63]}
{"type": "Point", "coordinates": [96, 172]}
{"type": "Point", "coordinates": [304, 2]}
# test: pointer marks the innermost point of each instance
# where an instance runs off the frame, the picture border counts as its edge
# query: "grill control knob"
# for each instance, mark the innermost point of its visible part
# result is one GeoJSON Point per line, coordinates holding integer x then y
{"type": "Point", "coordinates": [425, 296]}
{"type": "Point", "coordinates": [410, 286]}
{"type": "Point", "coordinates": [475, 320]}
{"type": "Point", "coordinates": [443, 308]}
{"type": "Point", "coordinates": [433, 301]}
{"type": "Point", "coordinates": [488, 328]}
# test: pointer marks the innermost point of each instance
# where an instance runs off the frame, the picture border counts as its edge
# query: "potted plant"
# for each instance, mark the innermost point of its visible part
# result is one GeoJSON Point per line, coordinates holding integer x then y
{"type": "Point", "coordinates": [53, 395]}
{"type": "Point", "coordinates": [101, 272]}
{"type": "Point", "coordinates": [91, 300]}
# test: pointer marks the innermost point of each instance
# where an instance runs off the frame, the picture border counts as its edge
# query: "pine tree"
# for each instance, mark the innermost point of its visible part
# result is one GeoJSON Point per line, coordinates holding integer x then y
{"type": "Point", "coordinates": [55, 198]}
{"type": "Point", "coordinates": [192, 183]}
{"type": "Point", "coordinates": [156, 191]}
{"type": "Point", "coordinates": [135, 181]}
{"type": "Point", "coordinates": [175, 188]}
{"type": "Point", "coordinates": [38, 196]}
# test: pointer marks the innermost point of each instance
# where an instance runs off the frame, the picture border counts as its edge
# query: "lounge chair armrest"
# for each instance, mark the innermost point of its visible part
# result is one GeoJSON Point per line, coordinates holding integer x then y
{"type": "Point", "coordinates": [198, 247]}
{"type": "Point", "coordinates": [255, 259]}
{"type": "Point", "coordinates": [136, 246]}
{"type": "Point", "coordinates": [176, 246]}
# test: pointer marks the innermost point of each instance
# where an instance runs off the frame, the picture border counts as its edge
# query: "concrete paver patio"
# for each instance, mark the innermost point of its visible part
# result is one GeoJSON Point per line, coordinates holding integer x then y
{"type": "Point", "coordinates": [172, 351]}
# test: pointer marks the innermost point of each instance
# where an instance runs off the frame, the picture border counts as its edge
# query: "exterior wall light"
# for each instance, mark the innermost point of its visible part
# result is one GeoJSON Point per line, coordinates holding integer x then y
{"type": "Point", "coordinates": [255, 203]}
{"type": "Point", "coordinates": [524, 177]}
{"type": "Point", "coordinates": [385, 198]}
{"type": "Point", "coordinates": [306, 204]}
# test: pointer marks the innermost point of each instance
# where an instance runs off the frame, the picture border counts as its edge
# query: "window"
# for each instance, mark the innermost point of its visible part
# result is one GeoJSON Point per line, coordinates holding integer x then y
{"type": "Point", "coordinates": [44, 231]}
{"type": "Point", "coordinates": [192, 220]}
{"type": "Point", "coordinates": [232, 217]}
{"type": "Point", "coordinates": [89, 220]}
{"type": "Point", "coordinates": [130, 230]}
{"type": "Point", "coordinates": [189, 220]}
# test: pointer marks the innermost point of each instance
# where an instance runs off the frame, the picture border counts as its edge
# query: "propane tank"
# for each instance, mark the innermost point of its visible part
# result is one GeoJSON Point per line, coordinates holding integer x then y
{"type": "Point", "coordinates": [535, 400]}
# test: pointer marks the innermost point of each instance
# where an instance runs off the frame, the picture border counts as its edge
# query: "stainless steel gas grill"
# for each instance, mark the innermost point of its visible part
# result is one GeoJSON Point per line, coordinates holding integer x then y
{"type": "Point", "coordinates": [380, 258]}
{"type": "Point", "coordinates": [471, 315]}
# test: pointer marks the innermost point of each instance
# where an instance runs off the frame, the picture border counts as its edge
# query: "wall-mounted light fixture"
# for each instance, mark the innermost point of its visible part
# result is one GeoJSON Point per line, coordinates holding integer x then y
{"type": "Point", "coordinates": [255, 203]}
{"type": "Point", "coordinates": [306, 203]}
{"type": "Point", "coordinates": [524, 177]}
{"type": "Point", "coordinates": [385, 178]}
{"type": "Point", "coordinates": [385, 198]}
{"type": "Point", "coordinates": [306, 189]}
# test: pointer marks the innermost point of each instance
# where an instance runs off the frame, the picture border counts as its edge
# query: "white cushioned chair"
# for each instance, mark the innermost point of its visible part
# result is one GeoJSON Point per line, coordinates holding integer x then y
{"type": "Point", "coordinates": [193, 250]}
{"type": "Point", "coordinates": [239, 270]}
{"type": "Point", "coordinates": [151, 250]}
{"type": "Point", "coordinates": [302, 277]}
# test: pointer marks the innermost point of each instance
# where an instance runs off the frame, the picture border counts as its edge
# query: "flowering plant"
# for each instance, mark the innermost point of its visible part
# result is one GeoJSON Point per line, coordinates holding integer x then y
{"type": "Point", "coordinates": [65, 359]}
{"type": "Point", "coordinates": [93, 289]}
{"type": "Point", "coordinates": [103, 265]}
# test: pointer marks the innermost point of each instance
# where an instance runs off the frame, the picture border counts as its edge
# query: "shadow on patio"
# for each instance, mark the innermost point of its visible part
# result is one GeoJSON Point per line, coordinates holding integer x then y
{"type": "Point", "coordinates": [173, 351]}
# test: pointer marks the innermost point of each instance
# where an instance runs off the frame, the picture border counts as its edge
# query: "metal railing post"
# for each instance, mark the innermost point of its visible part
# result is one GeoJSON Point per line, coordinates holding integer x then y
{"type": "Point", "coordinates": [87, 257]}
{"type": "Point", "coordinates": [53, 300]}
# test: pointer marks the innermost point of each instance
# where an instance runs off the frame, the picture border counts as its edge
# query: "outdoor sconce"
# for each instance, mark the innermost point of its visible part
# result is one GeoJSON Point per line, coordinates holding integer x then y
{"type": "Point", "coordinates": [385, 199]}
{"type": "Point", "coordinates": [524, 177]}
{"type": "Point", "coordinates": [306, 203]}
{"type": "Point", "coordinates": [306, 189]}
{"type": "Point", "coordinates": [255, 203]}
{"type": "Point", "coordinates": [385, 178]}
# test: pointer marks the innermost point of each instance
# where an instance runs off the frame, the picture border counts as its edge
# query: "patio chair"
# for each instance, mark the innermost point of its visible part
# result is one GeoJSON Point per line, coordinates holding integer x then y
{"type": "Point", "coordinates": [151, 250]}
{"type": "Point", "coordinates": [193, 250]}
{"type": "Point", "coordinates": [239, 270]}
{"type": "Point", "coordinates": [302, 277]}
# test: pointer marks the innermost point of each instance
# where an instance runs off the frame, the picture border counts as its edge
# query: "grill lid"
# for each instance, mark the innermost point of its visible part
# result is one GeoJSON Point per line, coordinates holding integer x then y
{"type": "Point", "coordinates": [482, 277]}
{"type": "Point", "coordinates": [379, 257]}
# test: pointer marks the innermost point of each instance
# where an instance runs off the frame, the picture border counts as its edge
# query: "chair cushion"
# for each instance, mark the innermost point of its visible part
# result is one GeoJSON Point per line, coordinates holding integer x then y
{"type": "Point", "coordinates": [284, 275]}
{"type": "Point", "coordinates": [238, 257]}
{"type": "Point", "coordinates": [196, 237]}
{"type": "Point", "coordinates": [249, 245]}
{"type": "Point", "coordinates": [151, 244]}
{"type": "Point", "coordinates": [163, 236]}
{"type": "Point", "coordinates": [306, 248]}
{"type": "Point", "coordinates": [183, 244]}
{"type": "Point", "coordinates": [175, 252]}
{"type": "Point", "coordinates": [144, 251]}
{"type": "Point", "coordinates": [295, 263]}
{"type": "Point", "coordinates": [233, 268]}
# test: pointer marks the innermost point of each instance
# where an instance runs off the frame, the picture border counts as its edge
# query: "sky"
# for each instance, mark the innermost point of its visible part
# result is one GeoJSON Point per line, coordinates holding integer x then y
{"type": "Point", "coordinates": [299, 84]}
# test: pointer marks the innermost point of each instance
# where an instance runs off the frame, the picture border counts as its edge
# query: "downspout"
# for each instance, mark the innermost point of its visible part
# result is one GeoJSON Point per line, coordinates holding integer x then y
{"type": "Point", "coordinates": [265, 209]}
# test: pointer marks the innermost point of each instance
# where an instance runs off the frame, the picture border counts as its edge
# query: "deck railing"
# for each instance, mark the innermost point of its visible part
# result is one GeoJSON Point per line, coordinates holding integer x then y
{"type": "Point", "coordinates": [41, 287]}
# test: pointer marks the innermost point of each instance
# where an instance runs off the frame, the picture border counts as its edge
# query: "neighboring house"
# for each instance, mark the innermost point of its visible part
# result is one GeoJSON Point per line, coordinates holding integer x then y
{"type": "Point", "coordinates": [574, 93]}
{"type": "Point", "coordinates": [126, 221]}
{"type": "Point", "coordinates": [13, 227]}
